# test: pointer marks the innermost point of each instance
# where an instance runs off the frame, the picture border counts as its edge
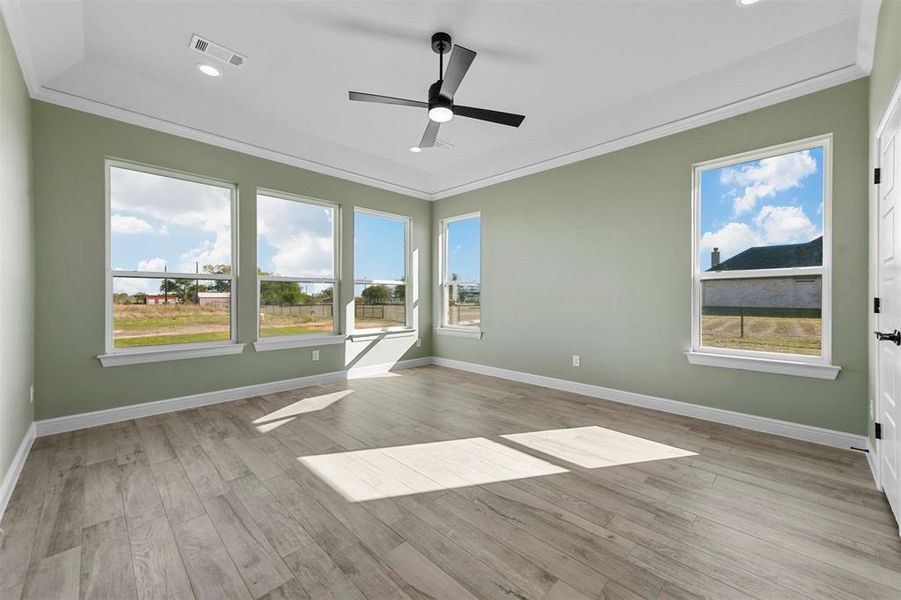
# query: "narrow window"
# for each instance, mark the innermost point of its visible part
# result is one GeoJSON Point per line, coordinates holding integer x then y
{"type": "Point", "coordinates": [461, 284]}
{"type": "Point", "coordinates": [381, 249]}
{"type": "Point", "coordinates": [169, 269]}
{"type": "Point", "coordinates": [297, 242]}
{"type": "Point", "coordinates": [762, 245]}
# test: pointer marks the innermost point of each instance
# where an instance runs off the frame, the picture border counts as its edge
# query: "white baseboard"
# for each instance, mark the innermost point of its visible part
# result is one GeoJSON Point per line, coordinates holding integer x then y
{"type": "Point", "coordinates": [15, 468]}
{"type": "Point", "coordinates": [872, 459]}
{"type": "Point", "coordinates": [146, 409]}
{"type": "Point", "coordinates": [818, 435]}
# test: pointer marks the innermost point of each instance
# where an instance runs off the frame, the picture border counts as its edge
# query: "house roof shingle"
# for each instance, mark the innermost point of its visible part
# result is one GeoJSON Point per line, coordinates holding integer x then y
{"type": "Point", "coordinates": [808, 254]}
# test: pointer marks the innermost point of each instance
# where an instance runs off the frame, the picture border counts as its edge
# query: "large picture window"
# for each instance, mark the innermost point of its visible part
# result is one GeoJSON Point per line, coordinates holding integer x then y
{"type": "Point", "coordinates": [169, 266]}
{"type": "Point", "coordinates": [297, 242]}
{"type": "Point", "coordinates": [762, 253]}
{"type": "Point", "coordinates": [381, 249]}
{"type": "Point", "coordinates": [460, 272]}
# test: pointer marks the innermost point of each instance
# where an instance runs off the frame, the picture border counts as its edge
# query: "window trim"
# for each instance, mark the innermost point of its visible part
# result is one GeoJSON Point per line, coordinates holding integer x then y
{"type": "Point", "coordinates": [444, 328]}
{"type": "Point", "coordinates": [303, 340]}
{"type": "Point", "coordinates": [167, 351]}
{"type": "Point", "coordinates": [764, 360]}
{"type": "Point", "coordinates": [353, 331]}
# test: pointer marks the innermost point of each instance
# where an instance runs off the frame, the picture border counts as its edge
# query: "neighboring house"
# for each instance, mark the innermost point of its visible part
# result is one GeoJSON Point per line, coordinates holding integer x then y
{"type": "Point", "coordinates": [793, 292]}
{"type": "Point", "coordinates": [221, 299]}
{"type": "Point", "coordinates": [162, 299]}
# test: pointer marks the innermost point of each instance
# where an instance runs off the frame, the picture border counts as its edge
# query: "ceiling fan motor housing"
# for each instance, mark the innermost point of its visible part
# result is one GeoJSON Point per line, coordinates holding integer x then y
{"type": "Point", "coordinates": [436, 99]}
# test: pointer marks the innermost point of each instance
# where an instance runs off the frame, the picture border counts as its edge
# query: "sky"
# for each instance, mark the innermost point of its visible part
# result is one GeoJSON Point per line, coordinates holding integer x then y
{"type": "Point", "coordinates": [464, 249]}
{"type": "Point", "coordinates": [378, 247]}
{"type": "Point", "coordinates": [161, 223]}
{"type": "Point", "coordinates": [777, 200]}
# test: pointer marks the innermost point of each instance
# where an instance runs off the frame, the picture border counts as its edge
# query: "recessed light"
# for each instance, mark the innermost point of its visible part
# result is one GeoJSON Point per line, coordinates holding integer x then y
{"type": "Point", "coordinates": [747, 2]}
{"type": "Point", "coordinates": [415, 149]}
{"type": "Point", "coordinates": [209, 70]}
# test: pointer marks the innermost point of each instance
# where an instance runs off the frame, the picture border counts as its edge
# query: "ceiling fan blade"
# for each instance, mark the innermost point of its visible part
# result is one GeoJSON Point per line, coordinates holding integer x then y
{"type": "Point", "coordinates": [362, 97]}
{"type": "Point", "coordinates": [494, 116]}
{"type": "Point", "coordinates": [431, 133]}
{"type": "Point", "coordinates": [457, 67]}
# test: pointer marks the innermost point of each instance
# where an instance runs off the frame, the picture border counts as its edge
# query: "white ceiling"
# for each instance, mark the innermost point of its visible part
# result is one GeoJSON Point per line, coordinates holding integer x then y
{"type": "Point", "coordinates": [589, 76]}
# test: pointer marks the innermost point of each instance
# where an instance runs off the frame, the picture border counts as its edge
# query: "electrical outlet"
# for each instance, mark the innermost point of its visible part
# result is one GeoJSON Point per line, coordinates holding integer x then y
{"type": "Point", "coordinates": [31, 394]}
{"type": "Point", "coordinates": [315, 355]}
{"type": "Point", "coordinates": [577, 360]}
{"type": "Point", "coordinates": [419, 342]}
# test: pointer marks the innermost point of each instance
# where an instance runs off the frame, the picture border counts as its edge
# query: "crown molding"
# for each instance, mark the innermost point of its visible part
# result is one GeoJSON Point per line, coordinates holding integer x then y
{"type": "Point", "coordinates": [12, 13]}
{"type": "Point", "coordinates": [789, 92]}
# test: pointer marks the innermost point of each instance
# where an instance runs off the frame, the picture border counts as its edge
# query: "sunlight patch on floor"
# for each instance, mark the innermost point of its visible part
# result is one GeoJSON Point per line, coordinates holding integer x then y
{"type": "Point", "coordinates": [593, 447]}
{"type": "Point", "coordinates": [279, 417]}
{"type": "Point", "coordinates": [418, 468]}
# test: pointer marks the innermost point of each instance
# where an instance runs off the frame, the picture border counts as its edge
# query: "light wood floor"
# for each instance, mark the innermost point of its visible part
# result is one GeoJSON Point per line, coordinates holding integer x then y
{"type": "Point", "coordinates": [207, 504]}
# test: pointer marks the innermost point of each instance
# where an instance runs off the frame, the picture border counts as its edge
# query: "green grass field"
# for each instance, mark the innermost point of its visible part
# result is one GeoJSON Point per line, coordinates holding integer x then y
{"type": "Point", "coordinates": [138, 325]}
{"type": "Point", "coordinates": [791, 335]}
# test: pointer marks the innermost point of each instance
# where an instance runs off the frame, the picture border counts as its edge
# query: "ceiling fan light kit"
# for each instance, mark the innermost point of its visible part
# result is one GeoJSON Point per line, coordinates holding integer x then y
{"type": "Point", "coordinates": [440, 105]}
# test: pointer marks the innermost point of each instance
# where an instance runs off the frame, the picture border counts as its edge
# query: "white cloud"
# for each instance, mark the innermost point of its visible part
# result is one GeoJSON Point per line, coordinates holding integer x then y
{"type": "Point", "coordinates": [179, 203]}
{"type": "Point", "coordinates": [301, 235]}
{"type": "Point", "coordinates": [132, 286]}
{"type": "Point", "coordinates": [784, 225]}
{"type": "Point", "coordinates": [129, 225]}
{"type": "Point", "coordinates": [152, 264]}
{"type": "Point", "coordinates": [730, 239]}
{"type": "Point", "coordinates": [764, 178]}
{"type": "Point", "coordinates": [772, 225]}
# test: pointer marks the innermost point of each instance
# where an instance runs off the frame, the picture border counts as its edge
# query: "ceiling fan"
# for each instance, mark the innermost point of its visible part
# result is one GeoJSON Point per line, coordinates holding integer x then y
{"type": "Point", "coordinates": [441, 105]}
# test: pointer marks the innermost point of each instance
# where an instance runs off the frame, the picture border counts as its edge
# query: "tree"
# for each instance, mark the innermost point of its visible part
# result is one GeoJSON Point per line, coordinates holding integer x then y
{"type": "Point", "coordinates": [281, 293]}
{"type": "Point", "coordinates": [376, 294]}
{"type": "Point", "coordinates": [400, 292]}
{"type": "Point", "coordinates": [140, 298]}
{"type": "Point", "coordinates": [218, 285]}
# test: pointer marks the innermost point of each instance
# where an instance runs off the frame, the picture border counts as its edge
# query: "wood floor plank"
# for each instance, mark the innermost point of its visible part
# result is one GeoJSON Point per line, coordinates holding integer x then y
{"type": "Point", "coordinates": [257, 561]}
{"type": "Point", "coordinates": [210, 569]}
{"type": "Point", "coordinates": [159, 571]}
{"type": "Point", "coordinates": [140, 494]}
{"type": "Point", "coordinates": [178, 495]}
{"type": "Point", "coordinates": [222, 502]}
{"type": "Point", "coordinates": [106, 568]}
{"type": "Point", "coordinates": [58, 576]}
{"type": "Point", "coordinates": [102, 497]}
{"type": "Point", "coordinates": [319, 576]}
{"type": "Point", "coordinates": [425, 576]}
{"type": "Point", "coordinates": [283, 531]}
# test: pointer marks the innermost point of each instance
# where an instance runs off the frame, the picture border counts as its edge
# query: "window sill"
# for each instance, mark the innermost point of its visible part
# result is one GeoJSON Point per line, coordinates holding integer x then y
{"type": "Point", "coordinates": [138, 357]}
{"type": "Point", "coordinates": [379, 333]}
{"type": "Point", "coordinates": [460, 332]}
{"type": "Point", "coordinates": [765, 365]}
{"type": "Point", "coordinates": [306, 342]}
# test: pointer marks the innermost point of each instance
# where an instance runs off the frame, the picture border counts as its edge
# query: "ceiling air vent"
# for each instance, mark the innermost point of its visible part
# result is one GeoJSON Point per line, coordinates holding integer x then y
{"type": "Point", "coordinates": [214, 50]}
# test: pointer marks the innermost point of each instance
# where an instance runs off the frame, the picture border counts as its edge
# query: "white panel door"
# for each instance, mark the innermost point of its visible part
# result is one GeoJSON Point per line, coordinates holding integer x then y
{"type": "Point", "coordinates": [888, 352]}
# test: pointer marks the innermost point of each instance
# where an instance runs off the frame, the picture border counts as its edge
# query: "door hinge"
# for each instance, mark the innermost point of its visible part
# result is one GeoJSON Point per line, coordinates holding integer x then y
{"type": "Point", "coordinates": [877, 431]}
{"type": "Point", "coordinates": [877, 304]}
{"type": "Point", "coordinates": [877, 175]}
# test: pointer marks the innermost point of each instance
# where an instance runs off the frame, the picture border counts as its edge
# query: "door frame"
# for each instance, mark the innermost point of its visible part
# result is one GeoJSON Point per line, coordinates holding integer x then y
{"type": "Point", "coordinates": [874, 457]}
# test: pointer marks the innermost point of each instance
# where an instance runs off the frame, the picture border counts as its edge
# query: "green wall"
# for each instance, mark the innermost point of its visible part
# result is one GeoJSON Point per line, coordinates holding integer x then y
{"type": "Point", "coordinates": [884, 78]}
{"type": "Point", "coordinates": [16, 255]}
{"type": "Point", "coordinates": [593, 258]}
{"type": "Point", "coordinates": [70, 148]}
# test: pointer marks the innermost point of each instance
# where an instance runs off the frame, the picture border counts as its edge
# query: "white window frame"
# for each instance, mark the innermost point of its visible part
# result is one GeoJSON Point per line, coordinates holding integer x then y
{"type": "Point", "coordinates": [774, 362]}
{"type": "Point", "coordinates": [444, 328]}
{"type": "Point", "coordinates": [407, 282]}
{"type": "Point", "coordinates": [126, 356]}
{"type": "Point", "coordinates": [305, 339]}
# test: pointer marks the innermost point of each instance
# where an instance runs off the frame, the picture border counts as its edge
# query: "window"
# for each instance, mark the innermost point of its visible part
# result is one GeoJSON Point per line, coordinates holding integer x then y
{"type": "Point", "coordinates": [762, 254]}
{"type": "Point", "coordinates": [169, 269]}
{"type": "Point", "coordinates": [381, 246]}
{"type": "Point", "coordinates": [460, 272]}
{"type": "Point", "coordinates": [297, 251]}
